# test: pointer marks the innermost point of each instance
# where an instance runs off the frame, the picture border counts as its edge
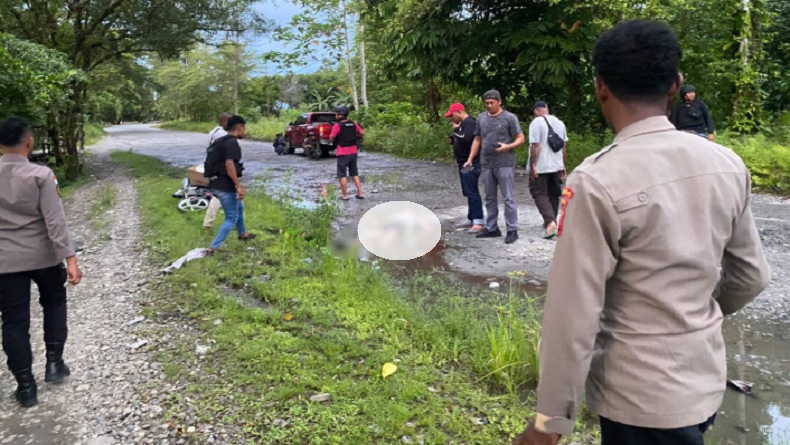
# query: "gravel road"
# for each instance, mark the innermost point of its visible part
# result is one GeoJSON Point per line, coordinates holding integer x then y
{"type": "Point", "coordinates": [116, 391]}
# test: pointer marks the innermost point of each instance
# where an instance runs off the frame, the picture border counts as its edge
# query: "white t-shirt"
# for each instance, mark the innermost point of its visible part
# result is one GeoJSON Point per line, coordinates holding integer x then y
{"type": "Point", "coordinates": [215, 134]}
{"type": "Point", "coordinates": [548, 161]}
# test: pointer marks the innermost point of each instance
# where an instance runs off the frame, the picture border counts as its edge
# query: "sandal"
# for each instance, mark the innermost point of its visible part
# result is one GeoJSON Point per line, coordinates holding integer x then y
{"type": "Point", "coordinates": [360, 197]}
{"type": "Point", "coordinates": [344, 199]}
{"type": "Point", "coordinates": [248, 237]}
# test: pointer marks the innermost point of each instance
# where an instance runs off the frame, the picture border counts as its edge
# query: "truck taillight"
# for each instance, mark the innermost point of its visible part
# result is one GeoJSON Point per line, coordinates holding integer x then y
{"type": "Point", "coordinates": [321, 131]}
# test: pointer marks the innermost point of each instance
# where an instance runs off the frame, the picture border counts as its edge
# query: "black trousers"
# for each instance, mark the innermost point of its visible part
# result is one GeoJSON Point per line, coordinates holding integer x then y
{"type": "Point", "coordinates": [15, 312]}
{"type": "Point", "coordinates": [546, 190]}
{"type": "Point", "coordinates": [613, 433]}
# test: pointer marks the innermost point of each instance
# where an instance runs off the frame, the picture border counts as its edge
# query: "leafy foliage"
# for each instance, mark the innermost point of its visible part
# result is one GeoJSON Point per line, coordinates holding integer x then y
{"type": "Point", "coordinates": [199, 84]}
{"type": "Point", "coordinates": [94, 33]}
{"type": "Point", "coordinates": [33, 79]}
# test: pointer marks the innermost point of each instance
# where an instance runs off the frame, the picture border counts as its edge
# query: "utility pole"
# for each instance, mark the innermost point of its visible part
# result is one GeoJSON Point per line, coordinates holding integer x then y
{"type": "Point", "coordinates": [237, 50]}
{"type": "Point", "coordinates": [363, 64]}
{"type": "Point", "coordinates": [351, 74]}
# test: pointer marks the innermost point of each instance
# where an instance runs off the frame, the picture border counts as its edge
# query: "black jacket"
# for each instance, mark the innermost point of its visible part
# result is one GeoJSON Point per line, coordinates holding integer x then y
{"type": "Point", "coordinates": [693, 116]}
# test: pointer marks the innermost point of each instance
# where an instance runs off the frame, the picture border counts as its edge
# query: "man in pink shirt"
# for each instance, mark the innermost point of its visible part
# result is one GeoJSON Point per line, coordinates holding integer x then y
{"type": "Point", "coordinates": [345, 133]}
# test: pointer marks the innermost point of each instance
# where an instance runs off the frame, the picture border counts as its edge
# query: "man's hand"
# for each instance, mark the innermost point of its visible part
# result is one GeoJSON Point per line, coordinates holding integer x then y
{"type": "Point", "coordinates": [712, 137]}
{"type": "Point", "coordinates": [467, 164]}
{"type": "Point", "coordinates": [456, 125]}
{"type": "Point", "coordinates": [533, 172]}
{"type": "Point", "coordinates": [73, 272]}
{"type": "Point", "coordinates": [563, 175]}
{"type": "Point", "coordinates": [501, 148]}
{"type": "Point", "coordinates": [241, 192]}
{"type": "Point", "coordinates": [531, 436]}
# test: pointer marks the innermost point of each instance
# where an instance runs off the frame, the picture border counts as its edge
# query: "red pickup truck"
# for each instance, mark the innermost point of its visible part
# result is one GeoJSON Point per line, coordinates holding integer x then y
{"type": "Point", "coordinates": [319, 124]}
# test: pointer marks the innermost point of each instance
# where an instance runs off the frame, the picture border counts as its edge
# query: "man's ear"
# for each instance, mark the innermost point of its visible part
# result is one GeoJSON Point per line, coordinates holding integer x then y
{"type": "Point", "coordinates": [676, 85]}
{"type": "Point", "coordinates": [602, 92]}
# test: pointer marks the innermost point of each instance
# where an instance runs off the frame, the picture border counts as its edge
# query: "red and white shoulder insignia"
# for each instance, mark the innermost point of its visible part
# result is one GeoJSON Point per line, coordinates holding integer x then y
{"type": "Point", "coordinates": [567, 195]}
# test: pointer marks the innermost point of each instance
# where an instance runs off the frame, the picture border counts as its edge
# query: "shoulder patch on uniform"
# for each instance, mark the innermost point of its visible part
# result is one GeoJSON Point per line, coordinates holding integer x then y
{"type": "Point", "coordinates": [57, 186]}
{"type": "Point", "coordinates": [567, 195]}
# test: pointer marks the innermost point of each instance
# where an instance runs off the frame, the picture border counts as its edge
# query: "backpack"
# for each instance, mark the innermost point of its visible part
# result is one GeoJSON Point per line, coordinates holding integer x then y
{"type": "Point", "coordinates": [213, 166]}
{"type": "Point", "coordinates": [555, 141]}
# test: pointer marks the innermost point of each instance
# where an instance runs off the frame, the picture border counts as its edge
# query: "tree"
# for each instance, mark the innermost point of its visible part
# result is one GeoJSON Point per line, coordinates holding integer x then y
{"type": "Point", "coordinates": [292, 91]}
{"type": "Point", "coordinates": [202, 83]}
{"type": "Point", "coordinates": [541, 50]}
{"type": "Point", "coordinates": [322, 33]}
{"type": "Point", "coordinates": [777, 52]}
{"type": "Point", "coordinates": [94, 32]}
{"type": "Point", "coordinates": [35, 82]}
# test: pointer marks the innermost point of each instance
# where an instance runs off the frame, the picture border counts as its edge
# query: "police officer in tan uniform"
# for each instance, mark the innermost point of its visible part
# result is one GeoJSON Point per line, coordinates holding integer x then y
{"type": "Point", "coordinates": [34, 243]}
{"type": "Point", "coordinates": [656, 244]}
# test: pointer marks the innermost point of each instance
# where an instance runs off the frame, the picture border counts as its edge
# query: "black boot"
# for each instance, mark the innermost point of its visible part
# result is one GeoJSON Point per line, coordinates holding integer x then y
{"type": "Point", "coordinates": [56, 370]}
{"type": "Point", "coordinates": [26, 390]}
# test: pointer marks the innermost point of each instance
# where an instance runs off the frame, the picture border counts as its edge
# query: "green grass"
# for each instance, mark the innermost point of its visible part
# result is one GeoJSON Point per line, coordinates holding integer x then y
{"type": "Point", "coordinates": [93, 133]}
{"type": "Point", "coordinates": [348, 320]}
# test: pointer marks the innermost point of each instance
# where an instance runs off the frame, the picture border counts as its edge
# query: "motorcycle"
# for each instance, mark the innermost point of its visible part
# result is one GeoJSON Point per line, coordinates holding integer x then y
{"type": "Point", "coordinates": [312, 148]}
{"type": "Point", "coordinates": [192, 198]}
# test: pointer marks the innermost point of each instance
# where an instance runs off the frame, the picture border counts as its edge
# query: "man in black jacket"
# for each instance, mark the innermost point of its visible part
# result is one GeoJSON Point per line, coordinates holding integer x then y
{"type": "Point", "coordinates": [692, 115]}
{"type": "Point", "coordinates": [464, 127]}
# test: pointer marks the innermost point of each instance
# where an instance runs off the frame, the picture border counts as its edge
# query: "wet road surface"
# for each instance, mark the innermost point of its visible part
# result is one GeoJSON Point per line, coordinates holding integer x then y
{"type": "Point", "coordinates": [758, 339]}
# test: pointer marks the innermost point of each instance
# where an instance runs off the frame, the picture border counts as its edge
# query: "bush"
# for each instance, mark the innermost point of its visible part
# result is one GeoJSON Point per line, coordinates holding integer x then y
{"type": "Point", "coordinates": [93, 133]}
{"type": "Point", "coordinates": [420, 141]}
{"type": "Point", "coordinates": [767, 160]}
{"type": "Point", "coordinates": [424, 141]}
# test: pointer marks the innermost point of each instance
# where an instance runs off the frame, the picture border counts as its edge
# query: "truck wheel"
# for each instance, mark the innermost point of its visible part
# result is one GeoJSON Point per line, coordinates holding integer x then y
{"type": "Point", "coordinates": [325, 149]}
{"type": "Point", "coordinates": [289, 149]}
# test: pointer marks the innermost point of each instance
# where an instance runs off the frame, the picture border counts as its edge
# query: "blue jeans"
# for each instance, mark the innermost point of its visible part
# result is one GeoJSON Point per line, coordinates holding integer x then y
{"type": "Point", "coordinates": [471, 190]}
{"type": "Point", "coordinates": [234, 216]}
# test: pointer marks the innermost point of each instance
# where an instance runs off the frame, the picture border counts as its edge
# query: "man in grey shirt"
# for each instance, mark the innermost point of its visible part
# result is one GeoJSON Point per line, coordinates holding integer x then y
{"type": "Point", "coordinates": [498, 134]}
{"type": "Point", "coordinates": [34, 241]}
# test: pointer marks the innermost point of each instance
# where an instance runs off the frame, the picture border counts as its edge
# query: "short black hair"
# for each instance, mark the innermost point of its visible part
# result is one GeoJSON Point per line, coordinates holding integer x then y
{"type": "Point", "coordinates": [13, 130]}
{"type": "Point", "coordinates": [234, 121]}
{"type": "Point", "coordinates": [638, 60]}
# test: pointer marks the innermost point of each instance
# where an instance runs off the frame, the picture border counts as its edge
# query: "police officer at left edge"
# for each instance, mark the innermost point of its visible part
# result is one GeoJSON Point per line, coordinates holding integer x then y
{"type": "Point", "coordinates": [34, 243]}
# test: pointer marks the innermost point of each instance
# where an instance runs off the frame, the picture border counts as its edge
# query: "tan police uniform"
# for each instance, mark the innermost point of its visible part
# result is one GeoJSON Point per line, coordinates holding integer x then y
{"type": "Point", "coordinates": [657, 243]}
{"type": "Point", "coordinates": [33, 229]}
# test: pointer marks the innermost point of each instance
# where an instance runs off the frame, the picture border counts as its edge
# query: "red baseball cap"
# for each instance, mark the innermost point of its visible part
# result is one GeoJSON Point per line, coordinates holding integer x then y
{"type": "Point", "coordinates": [455, 107]}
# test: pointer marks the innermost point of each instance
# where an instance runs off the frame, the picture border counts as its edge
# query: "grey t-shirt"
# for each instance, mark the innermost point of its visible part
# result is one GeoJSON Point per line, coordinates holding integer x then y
{"type": "Point", "coordinates": [493, 130]}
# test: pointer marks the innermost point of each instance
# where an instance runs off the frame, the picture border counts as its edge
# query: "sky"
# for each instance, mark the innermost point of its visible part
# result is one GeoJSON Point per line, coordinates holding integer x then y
{"type": "Point", "coordinates": [281, 12]}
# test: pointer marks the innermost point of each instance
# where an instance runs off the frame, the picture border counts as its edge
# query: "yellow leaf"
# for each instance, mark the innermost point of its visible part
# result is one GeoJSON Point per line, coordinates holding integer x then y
{"type": "Point", "coordinates": [288, 316]}
{"type": "Point", "coordinates": [388, 369]}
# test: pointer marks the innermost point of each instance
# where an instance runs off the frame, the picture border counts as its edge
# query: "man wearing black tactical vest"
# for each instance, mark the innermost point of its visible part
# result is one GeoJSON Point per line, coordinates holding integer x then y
{"type": "Point", "coordinates": [346, 134]}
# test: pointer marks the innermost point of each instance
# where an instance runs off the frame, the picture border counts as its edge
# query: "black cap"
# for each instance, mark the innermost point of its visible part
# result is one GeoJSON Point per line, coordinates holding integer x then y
{"type": "Point", "coordinates": [687, 89]}
{"type": "Point", "coordinates": [540, 104]}
{"type": "Point", "coordinates": [492, 95]}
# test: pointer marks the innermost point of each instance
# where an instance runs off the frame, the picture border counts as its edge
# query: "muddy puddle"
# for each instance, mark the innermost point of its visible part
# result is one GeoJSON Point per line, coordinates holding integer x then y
{"type": "Point", "coordinates": [759, 353]}
{"type": "Point", "coordinates": [434, 263]}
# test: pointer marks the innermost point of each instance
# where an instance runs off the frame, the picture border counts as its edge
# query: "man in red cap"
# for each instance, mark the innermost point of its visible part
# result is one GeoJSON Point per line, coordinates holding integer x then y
{"type": "Point", "coordinates": [463, 135]}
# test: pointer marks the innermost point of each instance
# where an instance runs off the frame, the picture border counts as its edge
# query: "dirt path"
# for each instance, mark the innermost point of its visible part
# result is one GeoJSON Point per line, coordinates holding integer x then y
{"type": "Point", "coordinates": [101, 403]}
